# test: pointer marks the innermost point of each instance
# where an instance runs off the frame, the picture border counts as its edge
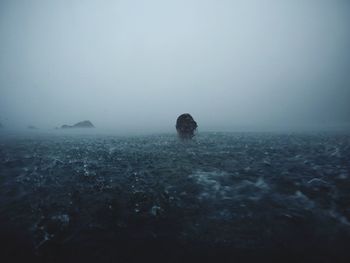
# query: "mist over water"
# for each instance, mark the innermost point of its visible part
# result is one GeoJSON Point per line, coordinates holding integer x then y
{"type": "Point", "coordinates": [91, 167]}
{"type": "Point", "coordinates": [132, 66]}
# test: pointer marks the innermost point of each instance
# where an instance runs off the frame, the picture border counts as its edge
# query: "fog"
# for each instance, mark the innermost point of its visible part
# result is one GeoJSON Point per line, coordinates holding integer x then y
{"type": "Point", "coordinates": [135, 65]}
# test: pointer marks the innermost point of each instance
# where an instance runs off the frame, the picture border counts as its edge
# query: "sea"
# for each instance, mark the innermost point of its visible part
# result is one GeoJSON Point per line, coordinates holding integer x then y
{"type": "Point", "coordinates": [220, 197]}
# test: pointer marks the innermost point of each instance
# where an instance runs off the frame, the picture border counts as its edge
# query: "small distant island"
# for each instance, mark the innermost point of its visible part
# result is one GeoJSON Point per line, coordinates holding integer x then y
{"type": "Point", "coordinates": [31, 127]}
{"type": "Point", "coordinates": [82, 124]}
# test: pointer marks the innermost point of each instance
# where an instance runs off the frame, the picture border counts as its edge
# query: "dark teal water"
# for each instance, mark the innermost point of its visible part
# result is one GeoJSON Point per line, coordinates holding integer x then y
{"type": "Point", "coordinates": [236, 197]}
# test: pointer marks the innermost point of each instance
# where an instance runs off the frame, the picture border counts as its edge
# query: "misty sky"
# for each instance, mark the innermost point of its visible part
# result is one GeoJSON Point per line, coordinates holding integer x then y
{"type": "Point", "coordinates": [138, 64]}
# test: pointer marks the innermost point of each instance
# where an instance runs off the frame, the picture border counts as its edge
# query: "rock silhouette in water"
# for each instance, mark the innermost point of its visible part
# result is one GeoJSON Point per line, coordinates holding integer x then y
{"type": "Point", "coordinates": [186, 126]}
{"type": "Point", "coordinates": [82, 124]}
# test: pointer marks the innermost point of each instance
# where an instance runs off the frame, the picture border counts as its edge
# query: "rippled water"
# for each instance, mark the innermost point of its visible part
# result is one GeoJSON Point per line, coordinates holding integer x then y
{"type": "Point", "coordinates": [234, 196]}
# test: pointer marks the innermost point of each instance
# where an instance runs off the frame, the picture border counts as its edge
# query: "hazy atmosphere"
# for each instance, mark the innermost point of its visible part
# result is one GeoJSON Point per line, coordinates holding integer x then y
{"type": "Point", "coordinates": [174, 131]}
{"type": "Point", "coordinates": [137, 65]}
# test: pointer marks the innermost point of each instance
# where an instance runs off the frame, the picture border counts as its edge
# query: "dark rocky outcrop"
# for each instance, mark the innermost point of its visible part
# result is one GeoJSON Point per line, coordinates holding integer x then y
{"type": "Point", "coordinates": [186, 126]}
{"type": "Point", "coordinates": [31, 127]}
{"type": "Point", "coordinates": [82, 124]}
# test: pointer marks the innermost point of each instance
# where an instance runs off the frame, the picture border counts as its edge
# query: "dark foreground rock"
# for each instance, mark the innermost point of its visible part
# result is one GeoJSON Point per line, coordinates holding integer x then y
{"type": "Point", "coordinates": [82, 124]}
{"type": "Point", "coordinates": [186, 126]}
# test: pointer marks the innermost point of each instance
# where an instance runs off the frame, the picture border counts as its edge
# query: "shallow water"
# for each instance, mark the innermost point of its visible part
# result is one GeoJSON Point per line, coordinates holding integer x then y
{"type": "Point", "coordinates": [233, 196]}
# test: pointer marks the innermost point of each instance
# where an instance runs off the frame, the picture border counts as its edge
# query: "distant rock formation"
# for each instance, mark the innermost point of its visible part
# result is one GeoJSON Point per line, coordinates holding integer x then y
{"type": "Point", "coordinates": [31, 127]}
{"type": "Point", "coordinates": [186, 126]}
{"type": "Point", "coordinates": [82, 124]}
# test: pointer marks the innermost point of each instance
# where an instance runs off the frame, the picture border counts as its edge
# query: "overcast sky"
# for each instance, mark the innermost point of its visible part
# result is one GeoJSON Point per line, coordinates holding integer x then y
{"type": "Point", "coordinates": [138, 64]}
